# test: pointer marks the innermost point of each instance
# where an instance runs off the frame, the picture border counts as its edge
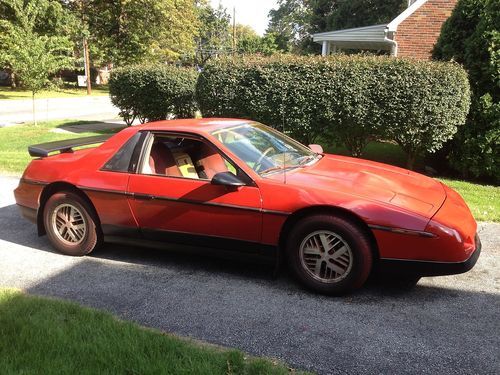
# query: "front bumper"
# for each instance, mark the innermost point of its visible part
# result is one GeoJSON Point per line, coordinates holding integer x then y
{"type": "Point", "coordinates": [430, 268]}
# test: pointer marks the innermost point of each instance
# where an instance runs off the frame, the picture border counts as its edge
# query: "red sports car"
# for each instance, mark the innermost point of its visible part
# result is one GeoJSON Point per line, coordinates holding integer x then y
{"type": "Point", "coordinates": [240, 185]}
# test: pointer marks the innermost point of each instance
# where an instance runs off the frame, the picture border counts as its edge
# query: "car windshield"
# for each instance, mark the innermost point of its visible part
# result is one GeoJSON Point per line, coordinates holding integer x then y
{"type": "Point", "coordinates": [264, 149]}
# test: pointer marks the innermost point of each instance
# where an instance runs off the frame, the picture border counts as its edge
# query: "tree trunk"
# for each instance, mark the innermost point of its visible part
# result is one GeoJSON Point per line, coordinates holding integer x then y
{"type": "Point", "coordinates": [13, 80]}
{"type": "Point", "coordinates": [410, 162]}
{"type": "Point", "coordinates": [34, 109]}
{"type": "Point", "coordinates": [355, 148]}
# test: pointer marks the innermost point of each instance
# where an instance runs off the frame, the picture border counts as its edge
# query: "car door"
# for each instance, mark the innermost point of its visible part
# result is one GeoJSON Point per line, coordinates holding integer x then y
{"type": "Point", "coordinates": [173, 199]}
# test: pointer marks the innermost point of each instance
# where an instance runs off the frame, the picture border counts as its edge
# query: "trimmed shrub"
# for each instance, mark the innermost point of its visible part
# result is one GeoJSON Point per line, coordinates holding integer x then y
{"type": "Point", "coordinates": [153, 92]}
{"type": "Point", "coordinates": [350, 99]}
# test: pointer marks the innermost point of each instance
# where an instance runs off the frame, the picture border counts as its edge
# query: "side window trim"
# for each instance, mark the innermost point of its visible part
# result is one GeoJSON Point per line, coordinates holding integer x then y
{"type": "Point", "coordinates": [136, 155]}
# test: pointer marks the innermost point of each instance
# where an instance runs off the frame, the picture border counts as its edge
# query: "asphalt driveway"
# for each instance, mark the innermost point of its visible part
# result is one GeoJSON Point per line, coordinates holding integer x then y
{"type": "Point", "coordinates": [445, 325]}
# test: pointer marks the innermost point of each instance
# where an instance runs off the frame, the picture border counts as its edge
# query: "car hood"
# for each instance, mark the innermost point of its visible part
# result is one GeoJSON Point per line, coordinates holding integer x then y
{"type": "Point", "coordinates": [374, 181]}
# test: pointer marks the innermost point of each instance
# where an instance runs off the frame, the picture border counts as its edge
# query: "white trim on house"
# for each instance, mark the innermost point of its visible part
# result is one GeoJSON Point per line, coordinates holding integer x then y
{"type": "Point", "coordinates": [376, 37]}
{"type": "Point", "coordinates": [393, 25]}
{"type": "Point", "coordinates": [369, 37]}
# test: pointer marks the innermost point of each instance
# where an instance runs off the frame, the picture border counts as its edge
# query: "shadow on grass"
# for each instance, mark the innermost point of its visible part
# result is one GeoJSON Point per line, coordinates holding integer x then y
{"type": "Point", "coordinates": [92, 126]}
{"type": "Point", "coordinates": [379, 151]}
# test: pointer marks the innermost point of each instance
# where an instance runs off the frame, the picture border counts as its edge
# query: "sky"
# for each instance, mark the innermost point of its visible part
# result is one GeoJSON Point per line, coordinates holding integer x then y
{"type": "Point", "coordinates": [249, 12]}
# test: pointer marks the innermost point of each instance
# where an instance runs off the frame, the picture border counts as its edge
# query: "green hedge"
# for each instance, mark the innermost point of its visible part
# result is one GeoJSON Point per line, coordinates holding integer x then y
{"type": "Point", "coordinates": [351, 99]}
{"type": "Point", "coordinates": [153, 92]}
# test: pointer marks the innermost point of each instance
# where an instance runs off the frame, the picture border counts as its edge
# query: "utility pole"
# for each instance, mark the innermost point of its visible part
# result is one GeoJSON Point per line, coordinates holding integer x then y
{"type": "Point", "coordinates": [86, 57]}
{"type": "Point", "coordinates": [234, 30]}
{"type": "Point", "coordinates": [86, 62]}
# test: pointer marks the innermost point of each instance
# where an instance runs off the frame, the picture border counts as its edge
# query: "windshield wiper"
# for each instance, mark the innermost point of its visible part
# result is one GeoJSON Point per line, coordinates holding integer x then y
{"type": "Point", "coordinates": [307, 159]}
{"type": "Point", "coordinates": [275, 168]}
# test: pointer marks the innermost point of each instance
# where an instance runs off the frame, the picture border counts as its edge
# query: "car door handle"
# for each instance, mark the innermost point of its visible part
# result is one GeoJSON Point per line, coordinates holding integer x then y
{"type": "Point", "coordinates": [144, 197]}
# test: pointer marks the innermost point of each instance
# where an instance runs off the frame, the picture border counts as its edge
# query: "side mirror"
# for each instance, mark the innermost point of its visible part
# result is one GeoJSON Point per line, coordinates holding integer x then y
{"type": "Point", "coordinates": [316, 148]}
{"type": "Point", "coordinates": [226, 179]}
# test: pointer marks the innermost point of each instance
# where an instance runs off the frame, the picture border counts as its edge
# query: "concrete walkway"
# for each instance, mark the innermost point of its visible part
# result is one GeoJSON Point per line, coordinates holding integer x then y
{"type": "Point", "coordinates": [94, 108]}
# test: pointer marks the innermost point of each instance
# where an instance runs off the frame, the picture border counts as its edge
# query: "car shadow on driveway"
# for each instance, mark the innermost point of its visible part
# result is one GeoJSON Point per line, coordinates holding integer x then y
{"type": "Point", "coordinates": [444, 325]}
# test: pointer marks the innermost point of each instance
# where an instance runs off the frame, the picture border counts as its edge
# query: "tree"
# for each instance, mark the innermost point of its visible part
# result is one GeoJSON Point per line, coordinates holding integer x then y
{"type": "Point", "coordinates": [125, 32]}
{"type": "Point", "coordinates": [249, 42]}
{"type": "Point", "coordinates": [32, 57]}
{"type": "Point", "coordinates": [358, 13]}
{"type": "Point", "coordinates": [290, 24]}
{"type": "Point", "coordinates": [47, 17]}
{"type": "Point", "coordinates": [214, 36]}
{"type": "Point", "coordinates": [472, 38]}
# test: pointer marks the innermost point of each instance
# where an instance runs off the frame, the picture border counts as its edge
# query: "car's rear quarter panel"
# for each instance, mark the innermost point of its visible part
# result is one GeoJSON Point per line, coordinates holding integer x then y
{"type": "Point", "coordinates": [106, 190]}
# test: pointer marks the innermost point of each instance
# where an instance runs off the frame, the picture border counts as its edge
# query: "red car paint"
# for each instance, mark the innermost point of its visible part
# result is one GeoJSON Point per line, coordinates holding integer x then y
{"type": "Point", "coordinates": [411, 216]}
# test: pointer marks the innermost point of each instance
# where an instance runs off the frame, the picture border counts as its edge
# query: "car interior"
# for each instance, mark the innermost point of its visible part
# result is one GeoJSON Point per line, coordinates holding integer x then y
{"type": "Point", "coordinates": [184, 157]}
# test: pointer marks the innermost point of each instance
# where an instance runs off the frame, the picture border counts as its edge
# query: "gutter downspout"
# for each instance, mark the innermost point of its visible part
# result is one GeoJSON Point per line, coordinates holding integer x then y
{"type": "Point", "coordinates": [392, 42]}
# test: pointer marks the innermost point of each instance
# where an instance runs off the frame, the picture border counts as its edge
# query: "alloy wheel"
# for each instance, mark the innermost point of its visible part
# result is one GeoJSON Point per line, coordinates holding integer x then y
{"type": "Point", "coordinates": [69, 224]}
{"type": "Point", "coordinates": [326, 256]}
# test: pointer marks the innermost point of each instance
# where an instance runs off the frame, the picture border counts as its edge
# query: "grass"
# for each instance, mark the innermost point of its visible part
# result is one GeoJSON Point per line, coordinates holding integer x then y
{"type": "Point", "coordinates": [14, 142]}
{"type": "Point", "coordinates": [483, 200]}
{"type": "Point", "coordinates": [8, 93]}
{"type": "Point", "coordinates": [48, 336]}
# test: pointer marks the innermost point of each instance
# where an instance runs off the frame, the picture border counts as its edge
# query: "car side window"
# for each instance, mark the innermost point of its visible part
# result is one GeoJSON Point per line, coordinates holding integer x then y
{"type": "Point", "coordinates": [120, 162]}
{"type": "Point", "coordinates": [183, 157]}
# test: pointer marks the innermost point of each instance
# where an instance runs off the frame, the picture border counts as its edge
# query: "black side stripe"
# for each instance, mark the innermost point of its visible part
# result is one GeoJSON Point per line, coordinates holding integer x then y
{"type": "Point", "coordinates": [33, 182]}
{"type": "Point", "coordinates": [403, 231]}
{"type": "Point", "coordinates": [108, 191]}
{"type": "Point", "coordinates": [181, 200]}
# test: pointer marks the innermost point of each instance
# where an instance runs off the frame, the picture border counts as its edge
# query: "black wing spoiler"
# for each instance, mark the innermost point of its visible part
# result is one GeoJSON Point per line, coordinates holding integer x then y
{"type": "Point", "coordinates": [67, 145]}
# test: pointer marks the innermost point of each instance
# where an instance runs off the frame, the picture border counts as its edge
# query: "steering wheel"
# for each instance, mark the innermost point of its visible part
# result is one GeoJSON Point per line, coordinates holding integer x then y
{"type": "Point", "coordinates": [258, 164]}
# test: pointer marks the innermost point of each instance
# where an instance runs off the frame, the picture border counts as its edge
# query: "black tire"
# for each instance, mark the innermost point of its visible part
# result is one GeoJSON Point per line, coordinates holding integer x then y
{"type": "Point", "coordinates": [360, 256]}
{"type": "Point", "coordinates": [92, 236]}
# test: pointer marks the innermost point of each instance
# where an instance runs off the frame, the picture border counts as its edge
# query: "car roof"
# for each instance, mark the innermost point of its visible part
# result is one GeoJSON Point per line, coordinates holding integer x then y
{"type": "Point", "coordinates": [201, 125]}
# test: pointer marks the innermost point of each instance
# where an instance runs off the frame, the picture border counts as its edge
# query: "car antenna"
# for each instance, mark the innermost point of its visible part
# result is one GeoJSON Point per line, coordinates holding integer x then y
{"type": "Point", "coordinates": [283, 128]}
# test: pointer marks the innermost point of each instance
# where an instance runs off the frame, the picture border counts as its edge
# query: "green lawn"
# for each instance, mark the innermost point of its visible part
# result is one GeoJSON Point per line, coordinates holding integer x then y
{"type": "Point", "coordinates": [8, 93]}
{"type": "Point", "coordinates": [14, 142]}
{"type": "Point", "coordinates": [483, 200]}
{"type": "Point", "coordinates": [48, 336]}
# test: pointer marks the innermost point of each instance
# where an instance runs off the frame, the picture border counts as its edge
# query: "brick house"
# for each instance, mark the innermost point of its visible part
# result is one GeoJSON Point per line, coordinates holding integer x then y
{"type": "Point", "coordinates": [411, 34]}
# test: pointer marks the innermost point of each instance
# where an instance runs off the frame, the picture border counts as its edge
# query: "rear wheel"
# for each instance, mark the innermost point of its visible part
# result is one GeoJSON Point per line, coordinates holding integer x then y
{"type": "Point", "coordinates": [71, 224]}
{"type": "Point", "coordinates": [329, 254]}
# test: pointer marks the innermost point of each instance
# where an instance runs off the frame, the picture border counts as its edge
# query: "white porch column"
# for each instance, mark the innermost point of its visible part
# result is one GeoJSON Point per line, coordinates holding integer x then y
{"type": "Point", "coordinates": [325, 50]}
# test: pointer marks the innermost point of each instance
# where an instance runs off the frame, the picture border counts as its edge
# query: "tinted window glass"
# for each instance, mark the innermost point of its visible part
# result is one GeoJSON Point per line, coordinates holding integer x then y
{"type": "Point", "coordinates": [121, 160]}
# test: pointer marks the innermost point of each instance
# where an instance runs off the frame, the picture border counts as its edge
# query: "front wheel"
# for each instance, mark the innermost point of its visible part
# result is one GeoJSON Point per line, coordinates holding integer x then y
{"type": "Point", "coordinates": [329, 254]}
{"type": "Point", "coordinates": [71, 224]}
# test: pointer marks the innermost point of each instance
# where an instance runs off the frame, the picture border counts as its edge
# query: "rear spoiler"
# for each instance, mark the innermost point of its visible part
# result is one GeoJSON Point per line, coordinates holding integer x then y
{"type": "Point", "coordinates": [44, 149]}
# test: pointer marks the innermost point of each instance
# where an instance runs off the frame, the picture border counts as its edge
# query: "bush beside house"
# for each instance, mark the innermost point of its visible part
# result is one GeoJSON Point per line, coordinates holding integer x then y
{"type": "Point", "coordinates": [472, 38]}
{"type": "Point", "coordinates": [349, 99]}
